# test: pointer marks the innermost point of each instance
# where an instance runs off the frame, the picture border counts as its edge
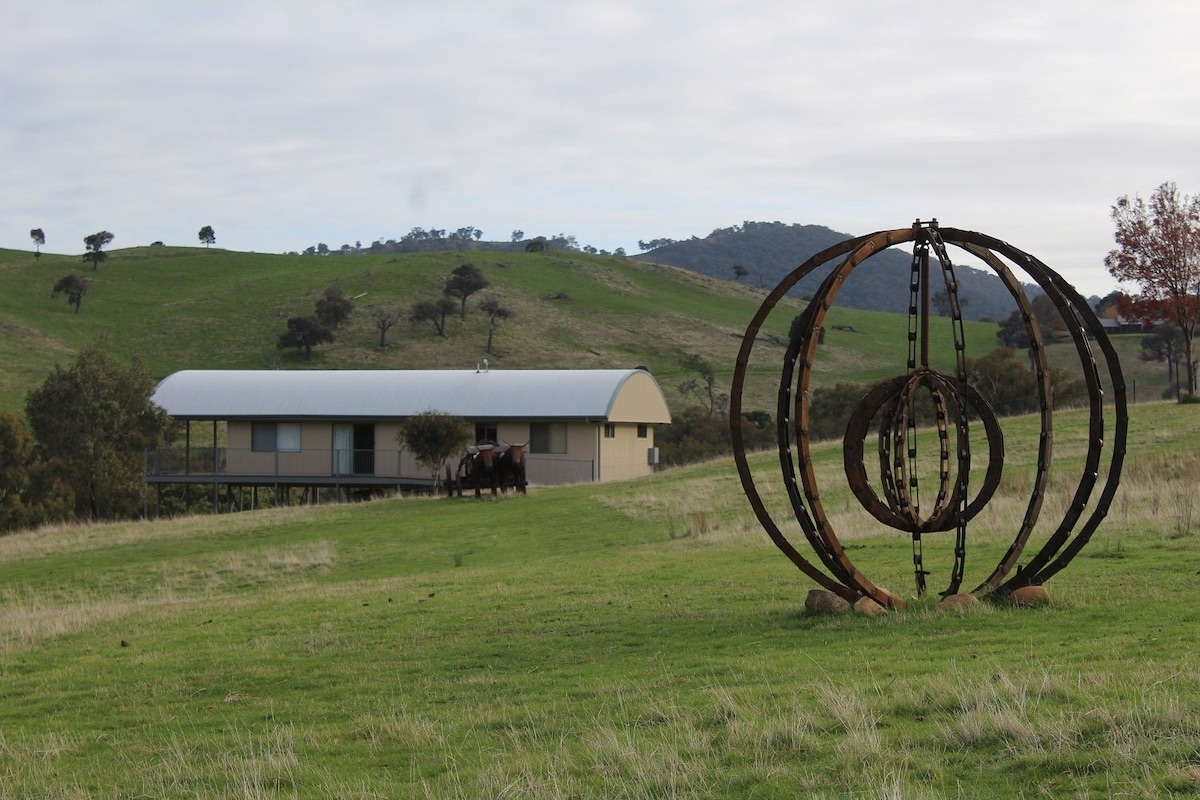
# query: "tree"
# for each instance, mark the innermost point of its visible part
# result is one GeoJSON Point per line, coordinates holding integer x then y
{"type": "Point", "coordinates": [304, 333]}
{"type": "Point", "coordinates": [496, 312]}
{"type": "Point", "coordinates": [517, 235]}
{"type": "Point", "coordinates": [464, 238]}
{"type": "Point", "coordinates": [95, 244]}
{"type": "Point", "coordinates": [463, 282]}
{"type": "Point", "coordinates": [39, 239]}
{"type": "Point", "coordinates": [432, 311]}
{"type": "Point", "coordinates": [704, 385]}
{"type": "Point", "coordinates": [385, 319]}
{"type": "Point", "coordinates": [1164, 343]}
{"type": "Point", "coordinates": [537, 245]}
{"type": "Point", "coordinates": [16, 459]}
{"type": "Point", "coordinates": [693, 435]}
{"type": "Point", "coordinates": [739, 272]}
{"type": "Point", "coordinates": [93, 423]}
{"type": "Point", "coordinates": [1047, 315]}
{"type": "Point", "coordinates": [434, 437]}
{"type": "Point", "coordinates": [74, 287]}
{"type": "Point", "coordinates": [208, 235]}
{"type": "Point", "coordinates": [1012, 388]}
{"type": "Point", "coordinates": [1158, 248]}
{"type": "Point", "coordinates": [334, 308]}
{"type": "Point", "coordinates": [941, 303]}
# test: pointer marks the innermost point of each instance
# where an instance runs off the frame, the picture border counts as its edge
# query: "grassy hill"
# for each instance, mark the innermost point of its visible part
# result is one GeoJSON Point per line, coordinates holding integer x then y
{"type": "Point", "coordinates": [636, 640]}
{"type": "Point", "coordinates": [180, 308]}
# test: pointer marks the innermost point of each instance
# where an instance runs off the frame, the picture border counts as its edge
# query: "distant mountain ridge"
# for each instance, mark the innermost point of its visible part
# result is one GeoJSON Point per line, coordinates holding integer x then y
{"type": "Point", "coordinates": [768, 251]}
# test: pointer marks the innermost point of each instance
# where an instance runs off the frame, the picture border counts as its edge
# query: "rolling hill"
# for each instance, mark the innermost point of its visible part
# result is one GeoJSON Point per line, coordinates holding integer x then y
{"type": "Point", "coordinates": [770, 250]}
{"type": "Point", "coordinates": [190, 307]}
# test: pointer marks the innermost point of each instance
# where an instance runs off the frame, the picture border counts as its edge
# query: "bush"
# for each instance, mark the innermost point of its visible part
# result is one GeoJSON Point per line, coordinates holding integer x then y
{"type": "Point", "coordinates": [697, 435]}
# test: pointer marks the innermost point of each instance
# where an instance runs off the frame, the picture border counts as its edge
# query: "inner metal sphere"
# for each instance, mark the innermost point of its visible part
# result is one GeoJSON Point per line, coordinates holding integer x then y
{"type": "Point", "coordinates": [891, 408]}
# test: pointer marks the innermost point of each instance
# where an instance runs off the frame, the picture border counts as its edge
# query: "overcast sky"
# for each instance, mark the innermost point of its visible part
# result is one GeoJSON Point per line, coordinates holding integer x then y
{"type": "Point", "coordinates": [283, 124]}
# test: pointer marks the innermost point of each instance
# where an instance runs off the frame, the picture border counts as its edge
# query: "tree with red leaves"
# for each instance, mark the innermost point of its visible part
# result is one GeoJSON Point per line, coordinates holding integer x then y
{"type": "Point", "coordinates": [1158, 248]}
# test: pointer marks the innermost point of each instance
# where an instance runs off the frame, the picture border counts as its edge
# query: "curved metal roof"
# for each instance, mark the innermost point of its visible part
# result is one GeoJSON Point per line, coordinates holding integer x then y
{"type": "Point", "coordinates": [384, 394]}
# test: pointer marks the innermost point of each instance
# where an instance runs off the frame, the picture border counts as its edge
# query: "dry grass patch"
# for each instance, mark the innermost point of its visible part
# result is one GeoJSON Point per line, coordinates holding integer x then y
{"type": "Point", "coordinates": [30, 617]}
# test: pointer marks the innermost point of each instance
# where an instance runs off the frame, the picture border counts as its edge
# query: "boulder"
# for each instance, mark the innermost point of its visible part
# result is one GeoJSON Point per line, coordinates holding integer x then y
{"type": "Point", "coordinates": [1031, 596]}
{"type": "Point", "coordinates": [958, 602]}
{"type": "Point", "coordinates": [820, 601]}
{"type": "Point", "coordinates": [893, 600]}
{"type": "Point", "coordinates": [868, 607]}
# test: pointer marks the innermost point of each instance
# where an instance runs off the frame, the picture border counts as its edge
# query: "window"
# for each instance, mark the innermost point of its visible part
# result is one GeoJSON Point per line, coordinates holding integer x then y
{"type": "Point", "coordinates": [610, 430]}
{"type": "Point", "coordinates": [643, 429]}
{"type": "Point", "coordinates": [486, 432]}
{"type": "Point", "coordinates": [272, 437]}
{"type": "Point", "coordinates": [548, 438]}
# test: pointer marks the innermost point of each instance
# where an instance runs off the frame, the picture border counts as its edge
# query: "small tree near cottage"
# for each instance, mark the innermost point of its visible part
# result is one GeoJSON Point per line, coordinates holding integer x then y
{"type": "Point", "coordinates": [434, 437]}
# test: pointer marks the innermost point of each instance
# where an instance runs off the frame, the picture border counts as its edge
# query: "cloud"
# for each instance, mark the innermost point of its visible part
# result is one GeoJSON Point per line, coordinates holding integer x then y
{"type": "Point", "coordinates": [289, 123]}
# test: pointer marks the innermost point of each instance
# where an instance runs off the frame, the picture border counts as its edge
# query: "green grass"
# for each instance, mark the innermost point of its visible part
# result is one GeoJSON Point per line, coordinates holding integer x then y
{"type": "Point", "coordinates": [639, 640]}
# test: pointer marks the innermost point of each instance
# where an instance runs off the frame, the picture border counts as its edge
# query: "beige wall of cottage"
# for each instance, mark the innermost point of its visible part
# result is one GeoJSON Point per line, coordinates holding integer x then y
{"type": "Point", "coordinates": [589, 454]}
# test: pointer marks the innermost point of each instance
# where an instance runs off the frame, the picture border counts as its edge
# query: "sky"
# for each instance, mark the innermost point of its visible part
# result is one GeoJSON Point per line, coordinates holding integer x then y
{"type": "Point", "coordinates": [284, 124]}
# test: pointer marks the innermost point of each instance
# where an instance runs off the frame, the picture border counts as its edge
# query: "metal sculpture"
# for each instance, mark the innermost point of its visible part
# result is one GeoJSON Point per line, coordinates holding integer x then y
{"type": "Point", "coordinates": [889, 408]}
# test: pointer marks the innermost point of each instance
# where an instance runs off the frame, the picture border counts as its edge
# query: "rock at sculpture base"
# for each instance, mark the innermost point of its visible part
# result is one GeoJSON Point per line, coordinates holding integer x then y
{"type": "Point", "coordinates": [893, 600]}
{"type": "Point", "coordinates": [958, 602]}
{"type": "Point", "coordinates": [1031, 596]}
{"type": "Point", "coordinates": [820, 601]}
{"type": "Point", "coordinates": [869, 608]}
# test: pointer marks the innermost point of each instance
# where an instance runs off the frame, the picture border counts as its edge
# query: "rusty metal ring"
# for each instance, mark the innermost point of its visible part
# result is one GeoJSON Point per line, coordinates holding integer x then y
{"type": "Point", "coordinates": [945, 516]}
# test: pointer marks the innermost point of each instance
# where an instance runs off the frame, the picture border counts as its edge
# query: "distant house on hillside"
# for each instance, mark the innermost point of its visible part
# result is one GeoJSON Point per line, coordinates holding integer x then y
{"type": "Point", "coordinates": [1117, 324]}
{"type": "Point", "coordinates": [337, 428]}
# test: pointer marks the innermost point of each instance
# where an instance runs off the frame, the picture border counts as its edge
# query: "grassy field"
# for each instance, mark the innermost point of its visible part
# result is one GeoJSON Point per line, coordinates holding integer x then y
{"type": "Point", "coordinates": [194, 308]}
{"type": "Point", "coordinates": [635, 640]}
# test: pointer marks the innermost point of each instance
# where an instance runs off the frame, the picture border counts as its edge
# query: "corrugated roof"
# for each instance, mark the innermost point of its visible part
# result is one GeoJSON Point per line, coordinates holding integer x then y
{"type": "Point", "coordinates": [383, 394]}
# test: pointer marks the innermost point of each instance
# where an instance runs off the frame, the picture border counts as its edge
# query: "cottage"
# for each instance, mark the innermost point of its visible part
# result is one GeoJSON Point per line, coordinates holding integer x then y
{"type": "Point", "coordinates": [337, 428]}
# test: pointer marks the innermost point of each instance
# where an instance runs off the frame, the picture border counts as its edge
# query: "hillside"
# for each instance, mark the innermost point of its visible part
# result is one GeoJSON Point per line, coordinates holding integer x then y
{"type": "Point", "coordinates": [179, 308]}
{"type": "Point", "coordinates": [770, 250]}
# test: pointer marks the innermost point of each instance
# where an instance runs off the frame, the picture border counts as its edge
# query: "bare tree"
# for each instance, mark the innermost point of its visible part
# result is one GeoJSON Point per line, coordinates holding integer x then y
{"type": "Point", "coordinates": [385, 319]}
{"type": "Point", "coordinates": [496, 312]}
{"type": "Point", "coordinates": [1158, 248]}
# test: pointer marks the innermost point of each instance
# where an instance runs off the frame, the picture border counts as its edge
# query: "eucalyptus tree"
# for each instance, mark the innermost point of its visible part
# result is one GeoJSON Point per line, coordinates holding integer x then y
{"type": "Point", "coordinates": [95, 244]}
